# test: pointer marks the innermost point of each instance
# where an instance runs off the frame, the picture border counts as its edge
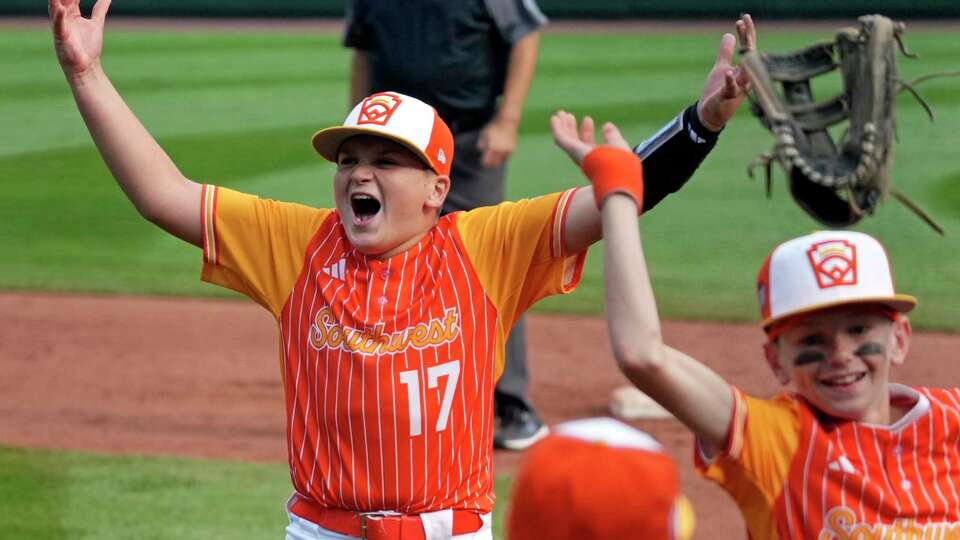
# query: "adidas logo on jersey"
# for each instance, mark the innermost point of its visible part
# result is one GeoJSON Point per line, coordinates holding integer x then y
{"type": "Point", "coordinates": [842, 464]}
{"type": "Point", "coordinates": [336, 270]}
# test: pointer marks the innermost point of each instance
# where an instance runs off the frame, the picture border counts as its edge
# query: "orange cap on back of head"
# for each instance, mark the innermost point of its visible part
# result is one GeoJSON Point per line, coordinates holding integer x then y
{"type": "Point", "coordinates": [597, 479]}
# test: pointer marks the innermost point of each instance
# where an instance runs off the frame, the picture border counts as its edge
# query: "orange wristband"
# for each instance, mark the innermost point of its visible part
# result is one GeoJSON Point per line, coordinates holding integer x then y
{"type": "Point", "coordinates": [614, 170]}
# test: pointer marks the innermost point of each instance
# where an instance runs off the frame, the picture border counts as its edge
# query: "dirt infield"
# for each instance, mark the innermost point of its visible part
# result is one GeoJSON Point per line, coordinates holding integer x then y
{"type": "Point", "coordinates": [200, 378]}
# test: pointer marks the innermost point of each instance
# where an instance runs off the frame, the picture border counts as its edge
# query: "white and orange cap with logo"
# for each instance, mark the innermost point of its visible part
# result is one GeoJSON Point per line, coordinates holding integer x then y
{"type": "Point", "coordinates": [399, 118]}
{"type": "Point", "coordinates": [823, 270]}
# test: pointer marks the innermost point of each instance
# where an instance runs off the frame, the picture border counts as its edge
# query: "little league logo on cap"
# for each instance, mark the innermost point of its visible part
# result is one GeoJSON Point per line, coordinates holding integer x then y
{"type": "Point", "coordinates": [378, 108]}
{"type": "Point", "coordinates": [399, 118]}
{"type": "Point", "coordinates": [834, 263]}
{"type": "Point", "coordinates": [826, 269]}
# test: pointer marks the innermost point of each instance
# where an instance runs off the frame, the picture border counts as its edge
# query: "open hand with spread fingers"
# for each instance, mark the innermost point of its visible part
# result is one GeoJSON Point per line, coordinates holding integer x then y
{"type": "Point", "coordinates": [77, 39]}
{"type": "Point", "coordinates": [726, 86]}
{"type": "Point", "coordinates": [578, 141]}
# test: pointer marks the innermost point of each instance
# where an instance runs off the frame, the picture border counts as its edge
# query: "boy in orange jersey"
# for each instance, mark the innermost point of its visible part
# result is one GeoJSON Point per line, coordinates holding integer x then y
{"type": "Point", "coordinates": [847, 454]}
{"type": "Point", "coordinates": [392, 320]}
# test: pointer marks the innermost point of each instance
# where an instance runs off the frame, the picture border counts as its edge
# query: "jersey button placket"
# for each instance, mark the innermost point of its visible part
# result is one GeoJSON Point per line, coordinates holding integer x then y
{"type": "Point", "coordinates": [888, 461]}
{"type": "Point", "coordinates": [896, 466]}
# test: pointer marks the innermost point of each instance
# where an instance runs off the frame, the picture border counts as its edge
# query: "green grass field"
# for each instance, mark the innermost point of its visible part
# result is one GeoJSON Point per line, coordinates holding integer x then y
{"type": "Point", "coordinates": [56, 495]}
{"type": "Point", "coordinates": [238, 110]}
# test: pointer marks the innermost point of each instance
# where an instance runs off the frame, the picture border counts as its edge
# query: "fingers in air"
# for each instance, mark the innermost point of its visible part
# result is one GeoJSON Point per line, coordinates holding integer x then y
{"type": "Point", "coordinates": [565, 123]}
{"type": "Point", "coordinates": [730, 85]}
{"type": "Point", "coordinates": [586, 130]}
{"type": "Point", "coordinates": [562, 122]}
{"type": "Point", "coordinates": [58, 12]}
{"type": "Point", "coordinates": [737, 81]}
{"type": "Point", "coordinates": [60, 9]}
{"type": "Point", "coordinates": [100, 10]}
{"type": "Point", "coordinates": [613, 137]}
{"type": "Point", "coordinates": [725, 51]}
{"type": "Point", "coordinates": [746, 33]}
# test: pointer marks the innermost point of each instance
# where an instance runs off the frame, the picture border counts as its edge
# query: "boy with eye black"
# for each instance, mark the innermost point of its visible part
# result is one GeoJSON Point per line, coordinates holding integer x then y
{"type": "Point", "coordinates": [846, 454]}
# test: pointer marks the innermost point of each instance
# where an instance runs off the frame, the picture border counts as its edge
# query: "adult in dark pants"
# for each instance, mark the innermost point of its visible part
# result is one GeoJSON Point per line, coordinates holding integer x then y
{"type": "Point", "coordinates": [461, 57]}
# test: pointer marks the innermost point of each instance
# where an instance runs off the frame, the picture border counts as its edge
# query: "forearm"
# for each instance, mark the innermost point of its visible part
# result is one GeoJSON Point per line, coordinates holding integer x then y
{"type": "Point", "coordinates": [359, 77]}
{"type": "Point", "coordinates": [673, 154]}
{"type": "Point", "coordinates": [520, 69]}
{"type": "Point", "coordinates": [142, 169]}
{"type": "Point", "coordinates": [633, 324]}
{"type": "Point", "coordinates": [692, 392]}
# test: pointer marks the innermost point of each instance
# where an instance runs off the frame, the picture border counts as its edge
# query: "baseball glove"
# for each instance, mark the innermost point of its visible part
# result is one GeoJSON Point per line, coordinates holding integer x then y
{"type": "Point", "coordinates": [836, 182]}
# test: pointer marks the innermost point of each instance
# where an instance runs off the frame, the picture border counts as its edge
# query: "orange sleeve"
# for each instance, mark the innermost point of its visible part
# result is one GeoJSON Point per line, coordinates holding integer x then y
{"type": "Point", "coordinates": [762, 439]}
{"type": "Point", "coordinates": [517, 251]}
{"type": "Point", "coordinates": [255, 246]}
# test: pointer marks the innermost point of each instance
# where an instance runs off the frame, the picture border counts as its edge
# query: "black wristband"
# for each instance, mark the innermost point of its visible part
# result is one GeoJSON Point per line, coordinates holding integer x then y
{"type": "Point", "coordinates": [672, 155]}
{"type": "Point", "coordinates": [697, 130]}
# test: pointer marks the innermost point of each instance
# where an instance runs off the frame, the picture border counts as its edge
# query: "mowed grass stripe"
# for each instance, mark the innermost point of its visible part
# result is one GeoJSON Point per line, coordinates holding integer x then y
{"type": "Point", "coordinates": [158, 63]}
{"type": "Point", "coordinates": [31, 494]}
{"type": "Point", "coordinates": [77, 495]}
{"type": "Point", "coordinates": [108, 248]}
{"type": "Point", "coordinates": [239, 109]}
{"type": "Point", "coordinates": [51, 494]}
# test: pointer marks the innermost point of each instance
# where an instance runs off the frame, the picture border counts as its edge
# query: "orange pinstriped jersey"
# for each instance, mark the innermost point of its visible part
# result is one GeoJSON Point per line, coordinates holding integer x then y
{"type": "Point", "coordinates": [389, 365]}
{"type": "Point", "coordinates": [796, 475]}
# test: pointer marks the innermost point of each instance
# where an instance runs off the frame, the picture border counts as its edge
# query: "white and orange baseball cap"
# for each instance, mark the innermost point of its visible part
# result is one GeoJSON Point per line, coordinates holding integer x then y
{"type": "Point", "coordinates": [823, 270]}
{"type": "Point", "coordinates": [399, 118]}
{"type": "Point", "coordinates": [601, 479]}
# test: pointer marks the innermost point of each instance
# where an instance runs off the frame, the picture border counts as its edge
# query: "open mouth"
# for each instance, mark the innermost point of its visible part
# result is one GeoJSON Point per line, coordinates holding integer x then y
{"type": "Point", "coordinates": [843, 381]}
{"type": "Point", "coordinates": [365, 207]}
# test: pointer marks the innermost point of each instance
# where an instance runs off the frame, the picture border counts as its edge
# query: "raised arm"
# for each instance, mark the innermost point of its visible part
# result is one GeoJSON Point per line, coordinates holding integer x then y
{"type": "Point", "coordinates": [142, 169]}
{"type": "Point", "coordinates": [672, 155]}
{"type": "Point", "coordinates": [694, 393]}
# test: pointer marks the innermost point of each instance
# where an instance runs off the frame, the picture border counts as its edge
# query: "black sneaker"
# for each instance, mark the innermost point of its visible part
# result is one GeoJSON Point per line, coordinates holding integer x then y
{"type": "Point", "coordinates": [519, 431]}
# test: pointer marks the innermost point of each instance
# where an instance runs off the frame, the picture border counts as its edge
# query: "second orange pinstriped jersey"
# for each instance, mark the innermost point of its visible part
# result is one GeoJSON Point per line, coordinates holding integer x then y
{"type": "Point", "coordinates": [796, 475]}
{"type": "Point", "coordinates": [389, 365]}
